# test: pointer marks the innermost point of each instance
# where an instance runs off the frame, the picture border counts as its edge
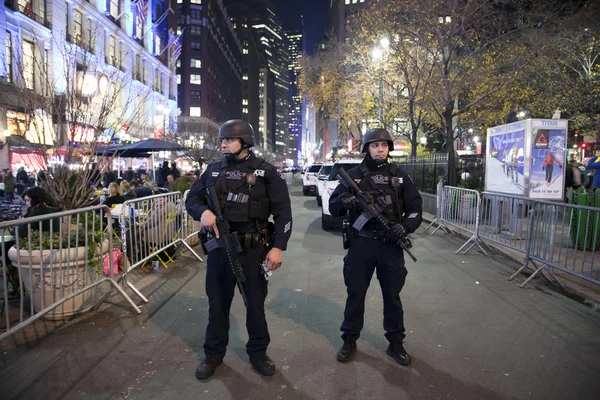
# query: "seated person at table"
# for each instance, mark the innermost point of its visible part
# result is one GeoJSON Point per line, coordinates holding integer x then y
{"type": "Point", "coordinates": [128, 192]}
{"type": "Point", "coordinates": [139, 189]}
{"type": "Point", "coordinates": [37, 202]}
{"type": "Point", "coordinates": [114, 196]}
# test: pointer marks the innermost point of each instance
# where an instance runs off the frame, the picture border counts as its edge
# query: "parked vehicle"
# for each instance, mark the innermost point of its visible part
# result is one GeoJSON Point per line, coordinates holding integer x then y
{"type": "Point", "coordinates": [327, 220]}
{"type": "Point", "coordinates": [309, 179]}
{"type": "Point", "coordinates": [321, 178]}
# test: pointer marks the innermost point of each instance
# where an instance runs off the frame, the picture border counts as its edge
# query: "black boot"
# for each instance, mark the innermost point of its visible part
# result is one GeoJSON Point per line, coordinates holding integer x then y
{"type": "Point", "coordinates": [397, 352]}
{"type": "Point", "coordinates": [262, 364]}
{"type": "Point", "coordinates": [347, 351]}
{"type": "Point", "coordinates": [207, 368]}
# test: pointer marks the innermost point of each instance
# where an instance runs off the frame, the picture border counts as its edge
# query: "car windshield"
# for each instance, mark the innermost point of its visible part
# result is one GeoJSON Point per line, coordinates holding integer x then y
{"type": "Point", "coordinates": [345, 166]}
{"type": "Point", "coordinates": [324, 171]}
{"type": "Point", "coordinates": [314, 168]}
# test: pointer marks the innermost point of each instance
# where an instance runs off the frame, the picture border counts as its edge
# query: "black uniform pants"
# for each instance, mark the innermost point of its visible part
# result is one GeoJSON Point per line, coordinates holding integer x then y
{"type": "Point", "coordinates": [220, 288]}
{"type": "Point", "coordinates": [363, 257]}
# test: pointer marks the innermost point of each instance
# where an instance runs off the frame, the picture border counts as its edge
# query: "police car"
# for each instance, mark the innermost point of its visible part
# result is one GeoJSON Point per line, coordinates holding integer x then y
{"type": "Point", "coordinates": [321, 178]}
{"type": "Point", "coordinates": [309, 179]}
{"type": "Point", "coordinates": [328, 221]}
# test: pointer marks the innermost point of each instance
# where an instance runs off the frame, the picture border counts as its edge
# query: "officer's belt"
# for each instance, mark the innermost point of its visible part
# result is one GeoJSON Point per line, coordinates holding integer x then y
{"type": "Point", "coordinates": [377, 235]}
{"type": "Point", "coordinates": [247, 241]}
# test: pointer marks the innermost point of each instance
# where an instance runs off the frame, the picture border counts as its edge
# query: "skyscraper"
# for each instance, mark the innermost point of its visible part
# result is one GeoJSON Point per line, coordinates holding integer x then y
{"type": "Point", "coordinates": [210, 69]}
{"type": "Point", "coordinates": [295, 51]}
{"type": "Point", "coordinates": [340, 16]}
{"type": "Point", "coordinates": [240, 14]}
{"type": "Point", "coordinates": [274, 44]}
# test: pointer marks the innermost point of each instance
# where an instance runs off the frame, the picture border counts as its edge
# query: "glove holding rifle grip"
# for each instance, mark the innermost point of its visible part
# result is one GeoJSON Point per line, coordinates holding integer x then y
{"type": "Point", "coordinates": [350, 201]}
{"type": "Point", "coordinates": [400, 234]}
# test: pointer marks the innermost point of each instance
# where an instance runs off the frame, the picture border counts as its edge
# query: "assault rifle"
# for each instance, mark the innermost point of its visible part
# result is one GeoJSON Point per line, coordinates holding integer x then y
{"type": "Point", "coordinates": [230, 241]}
{"type": "Point", "coordinates": [371, 210]}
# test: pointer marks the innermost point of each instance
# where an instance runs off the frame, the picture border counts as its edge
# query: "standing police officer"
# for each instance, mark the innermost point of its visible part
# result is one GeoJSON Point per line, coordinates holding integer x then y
{"type": "Point", "coordinates": [370, 248]}
{"type": "Point", "coordinates": [250, 190]}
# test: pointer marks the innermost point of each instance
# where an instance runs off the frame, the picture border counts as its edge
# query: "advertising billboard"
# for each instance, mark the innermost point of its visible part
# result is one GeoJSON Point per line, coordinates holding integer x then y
{"type": "Point", "coordinates": [527, 158]}
{"type": "Point", "coordinates": [505, 163]}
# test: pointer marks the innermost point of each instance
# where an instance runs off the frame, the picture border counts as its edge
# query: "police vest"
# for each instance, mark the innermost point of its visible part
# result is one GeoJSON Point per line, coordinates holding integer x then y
{"type": "Point", "coordinates": [385, 190]}
{"type": "Point", "coordinates": [242, 192]}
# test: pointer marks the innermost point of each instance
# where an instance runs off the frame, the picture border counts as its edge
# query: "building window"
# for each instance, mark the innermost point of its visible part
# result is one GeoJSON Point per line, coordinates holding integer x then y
{"type": "Point", "coordinates": [196, 63]}
{"type": "Point", "coordinates": [245, 51]}
{"type": "Point", "coordinates": [196, 46]}
{"type": "Point", "coordinates": [89, 37]}
{"type": "Point", "coordinates": [195, 111]}
{"type": "Point", "coordinates": [139, 33]}
{"type": "Point", "coordinates": [195, 29]}
{"type": "Point", "coordinates": [45, 82]}
{"type": "Point", "coordinates": [196, 14]}
{"type": "Point", "coordinates": [196, 1]}
{"type": "Point", "coordinates": [196, 95]}
{"type": "Point", "coordinates": [78, 27]}
{"type": "Point", "coordinates": [178, 63]}
{"type": "Point", "coordinates": [244, 102]}
{"type": "Point", "coordinates": [28, 64]}
{"type": "Point", "coordinates": [114, 8]}
{"type": "Point", "coordinates": [157, 45]}
{"type": "Point", "coordinates": [347, 1]}
{"type": "Point", "coordinates": [112, 51]}
{"type": "Point", "coordinates": [245, 110]}
{"type": "Point", "coordinates": [8, 55]}
{"type": "Point", "coordinates": [144, 72]}
{"type": "Point", "coordinates": [245, 77]}
{"type": "Point", "coordinates": [179, 1]}
{"type": "Point", "coordinates": [157, 81]}
{"type": "Point", "coordinates": [178, 79]}
{"type": "Point", "coordinates": [195, 79]}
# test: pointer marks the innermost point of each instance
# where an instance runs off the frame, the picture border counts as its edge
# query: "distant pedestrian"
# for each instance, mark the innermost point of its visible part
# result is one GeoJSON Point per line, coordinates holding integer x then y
{"type": "Point", "coordinates": [174, 171]}
{"type": "Point", "coordinates": [594, 164]}
{"type": "Point", "coordinates": [9, 186]}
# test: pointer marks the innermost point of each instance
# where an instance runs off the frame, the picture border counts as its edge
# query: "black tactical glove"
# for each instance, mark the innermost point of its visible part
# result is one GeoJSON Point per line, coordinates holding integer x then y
{"type": "Point", "coordinates": [349, 200]}
{"type": "Point", "coordinates": [399, 231]}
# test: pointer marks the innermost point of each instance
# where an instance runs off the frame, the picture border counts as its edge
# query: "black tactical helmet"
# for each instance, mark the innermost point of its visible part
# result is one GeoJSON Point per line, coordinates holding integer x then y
{"type": "Point", "coordinates": [237, 128]}
{"type": "Point", "coordinates": [376, 135]}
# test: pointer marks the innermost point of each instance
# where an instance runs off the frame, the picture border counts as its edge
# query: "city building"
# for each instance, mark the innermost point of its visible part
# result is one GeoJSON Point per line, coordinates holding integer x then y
{"type": "Point", "coordinates": [295, 51]}
{"type": "Point", "coordinates": [210, 70]}
{"type": "Point", "coordinates": [274, 44]}
{"type": "Point", "coordinates": [340, 17]}
{"type": "Point", "coordinates": [54, 49]}
{"type": "Point", "coordinates": [240, 14]}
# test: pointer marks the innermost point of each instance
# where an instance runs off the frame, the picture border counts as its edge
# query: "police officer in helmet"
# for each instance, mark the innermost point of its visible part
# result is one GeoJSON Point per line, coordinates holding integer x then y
{"type": "Point", "coordinates": [370, 249]}
{"type": "Point", "coordinates": [250, 190]}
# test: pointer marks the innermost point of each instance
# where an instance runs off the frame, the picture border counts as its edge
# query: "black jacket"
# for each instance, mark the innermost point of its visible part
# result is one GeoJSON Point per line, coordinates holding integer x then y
{"type": "Point", "coordinates": [235, 176]}
{"type": "Point", "coordinates": [412, 203]}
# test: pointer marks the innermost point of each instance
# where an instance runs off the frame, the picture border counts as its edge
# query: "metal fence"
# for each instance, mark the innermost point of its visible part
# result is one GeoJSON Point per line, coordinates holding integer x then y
{"type": "Point", "coordinates": [565, 237]}
{"type": "Point", "coordinates": [549, 234]}
{"type": "Point", "coordinates": [153, 227]}
{"type": "Point", "coordinates": [426, 171]}
{"type": "Point", "coordinates": [53, 266]}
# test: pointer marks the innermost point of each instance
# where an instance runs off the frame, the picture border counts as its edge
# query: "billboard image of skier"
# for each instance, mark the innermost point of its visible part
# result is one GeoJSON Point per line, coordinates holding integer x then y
{"type": "Point", "coordinates": [505, 163]}
{"type": "Point", "coordinates": [547, 164]}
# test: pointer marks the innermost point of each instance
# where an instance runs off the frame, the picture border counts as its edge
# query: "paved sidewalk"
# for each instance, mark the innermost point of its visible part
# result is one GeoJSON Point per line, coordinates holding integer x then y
{"type": "Point", "coordinates": [472, 334]}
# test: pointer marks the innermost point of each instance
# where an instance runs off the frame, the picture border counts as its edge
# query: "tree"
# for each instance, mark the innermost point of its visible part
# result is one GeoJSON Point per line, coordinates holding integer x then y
{"type": "Point", "coordinates": [73, 110]}
{"type": "Point", "coordinates": [200, 137]}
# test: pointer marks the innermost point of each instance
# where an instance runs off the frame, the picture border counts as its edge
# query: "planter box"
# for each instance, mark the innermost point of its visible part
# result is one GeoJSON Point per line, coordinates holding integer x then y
{"type": "Point", "coordinates": [50, 275]}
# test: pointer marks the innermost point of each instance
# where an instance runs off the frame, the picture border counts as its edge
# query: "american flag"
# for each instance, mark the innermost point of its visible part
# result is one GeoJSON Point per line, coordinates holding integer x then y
{"type": "Point", "coordinates": [142, 10]}
{"type": "Point", "coordinates": [177, 47]}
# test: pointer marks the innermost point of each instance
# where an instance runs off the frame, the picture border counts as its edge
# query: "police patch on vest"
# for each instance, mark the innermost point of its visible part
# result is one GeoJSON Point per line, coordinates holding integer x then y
{"type": "Point", "coordinates": [259, 172]}
{"type": "Point", "coordinates": [235, 175]}
{"type": "Point", "coordinates": [381, 179]}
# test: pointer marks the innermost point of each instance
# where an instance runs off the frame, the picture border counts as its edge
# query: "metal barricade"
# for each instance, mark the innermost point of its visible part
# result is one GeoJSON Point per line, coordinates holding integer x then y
{"type": "Point", "coordinates": [504, 220]}
{"type": "Point", "coordinates": [438, 210]}
{"type": "Point", "coordinates": [151, 227]}
{"type": "Point", "coordinates": [192, 227]}
{"type": "Point", "coordinates": [460, 209]}
{"type": "Point", "coordinates": [565, 237]}
{"type": "Point", "coordinates": [53, 264]}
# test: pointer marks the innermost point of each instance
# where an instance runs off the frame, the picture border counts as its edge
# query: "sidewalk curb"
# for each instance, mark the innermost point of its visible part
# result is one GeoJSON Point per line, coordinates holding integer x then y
{"type": "Point", "coordinates": [573, 289]}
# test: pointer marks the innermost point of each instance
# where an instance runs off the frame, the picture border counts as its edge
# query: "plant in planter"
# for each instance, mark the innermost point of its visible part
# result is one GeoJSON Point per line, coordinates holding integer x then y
{"type": "Point", "coordinates": [54, 266]}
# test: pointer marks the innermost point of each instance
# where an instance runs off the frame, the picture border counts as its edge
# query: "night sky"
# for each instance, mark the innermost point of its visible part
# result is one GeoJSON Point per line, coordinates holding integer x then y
{"type": "Point", "coordinates": [315, 18]}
